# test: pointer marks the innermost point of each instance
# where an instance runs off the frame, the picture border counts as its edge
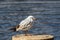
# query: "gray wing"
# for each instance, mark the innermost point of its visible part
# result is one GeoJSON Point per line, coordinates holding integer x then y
{"type": "Point", "coordinates": [27, 27]}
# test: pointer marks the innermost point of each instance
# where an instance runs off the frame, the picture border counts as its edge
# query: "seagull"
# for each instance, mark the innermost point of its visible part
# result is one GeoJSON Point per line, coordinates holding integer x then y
{"type": "Point", "coordinates": [25, 24]}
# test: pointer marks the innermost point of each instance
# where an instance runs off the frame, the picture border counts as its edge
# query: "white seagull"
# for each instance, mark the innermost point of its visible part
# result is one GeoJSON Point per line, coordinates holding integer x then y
{"type": "Point", "coordinates": [25, 24]}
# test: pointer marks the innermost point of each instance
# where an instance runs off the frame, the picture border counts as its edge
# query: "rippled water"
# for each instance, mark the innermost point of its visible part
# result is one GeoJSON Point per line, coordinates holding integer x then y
{"type": "Point", "coordinates": [48, 15]}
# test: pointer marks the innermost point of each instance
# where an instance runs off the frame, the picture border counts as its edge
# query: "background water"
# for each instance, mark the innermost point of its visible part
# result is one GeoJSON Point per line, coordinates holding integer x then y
{"type": "Point", "coordinates": [47, 13]}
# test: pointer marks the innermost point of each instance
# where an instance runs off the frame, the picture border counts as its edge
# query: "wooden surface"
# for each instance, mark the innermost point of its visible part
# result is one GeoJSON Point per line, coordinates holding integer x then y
{"type": "Point", "coordinates": [33, 37]}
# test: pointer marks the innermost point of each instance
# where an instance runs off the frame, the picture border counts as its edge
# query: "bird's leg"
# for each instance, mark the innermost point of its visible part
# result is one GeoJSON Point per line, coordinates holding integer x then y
{"type": "Point", "coordinates": [26, 32]}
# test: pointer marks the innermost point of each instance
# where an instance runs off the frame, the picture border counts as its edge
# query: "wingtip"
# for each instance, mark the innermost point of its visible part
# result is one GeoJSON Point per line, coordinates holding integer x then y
{"type": "Point", "coordinates": [13, 29]}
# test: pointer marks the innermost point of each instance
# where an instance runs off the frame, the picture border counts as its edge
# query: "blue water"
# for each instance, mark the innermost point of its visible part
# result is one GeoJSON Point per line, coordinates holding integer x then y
{"type": "Point", "coordinates": [47, 14]}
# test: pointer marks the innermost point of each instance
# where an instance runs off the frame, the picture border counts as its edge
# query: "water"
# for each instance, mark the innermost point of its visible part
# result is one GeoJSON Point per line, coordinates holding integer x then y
{"type": "Point", "coordinates": [48, 15]}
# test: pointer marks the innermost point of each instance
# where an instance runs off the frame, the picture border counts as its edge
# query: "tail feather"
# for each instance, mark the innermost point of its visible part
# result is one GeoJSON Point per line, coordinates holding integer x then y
{"type": "Point", "coordinates": [14, 28]}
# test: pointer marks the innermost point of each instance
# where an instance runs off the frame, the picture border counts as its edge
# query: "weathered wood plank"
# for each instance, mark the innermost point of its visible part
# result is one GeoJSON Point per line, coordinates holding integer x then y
{"type": "Point", "coordinates": [33, 37]}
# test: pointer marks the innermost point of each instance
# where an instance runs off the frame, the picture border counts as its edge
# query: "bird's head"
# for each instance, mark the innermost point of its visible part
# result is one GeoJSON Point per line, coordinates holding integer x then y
{"type": "Point", "coordinates": [32, 17]}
